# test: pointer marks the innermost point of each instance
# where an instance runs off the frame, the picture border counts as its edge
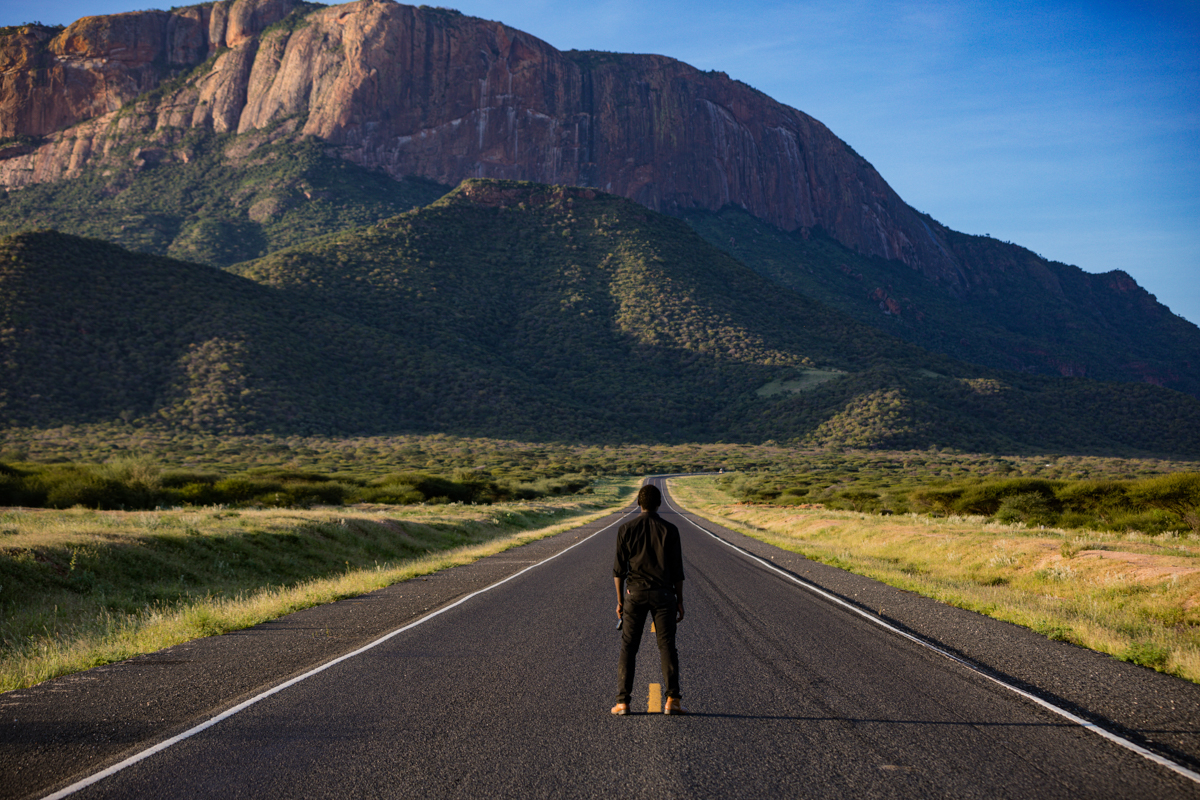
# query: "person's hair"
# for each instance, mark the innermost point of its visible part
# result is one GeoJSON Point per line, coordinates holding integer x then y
{"type": "Point", "coordinates": [649, 497]}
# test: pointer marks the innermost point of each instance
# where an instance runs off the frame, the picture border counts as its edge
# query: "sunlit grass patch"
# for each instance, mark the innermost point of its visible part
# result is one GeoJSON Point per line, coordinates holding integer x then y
{"type": "Point", "coordinates": [1131, 595]}
{"type": "Point", "coordinates": [804, 380]}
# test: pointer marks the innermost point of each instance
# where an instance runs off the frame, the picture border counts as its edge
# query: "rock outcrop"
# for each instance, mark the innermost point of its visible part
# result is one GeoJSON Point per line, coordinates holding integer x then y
{"type": "Point", "coordinates": [430, 92]}
{"type": "Point", "coordinates": [98, 64]}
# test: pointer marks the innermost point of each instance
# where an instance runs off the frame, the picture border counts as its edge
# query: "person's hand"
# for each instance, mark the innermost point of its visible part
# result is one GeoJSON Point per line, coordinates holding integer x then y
{"type": "Point", "coordinates": [619, 604]}
{"type": "Point", "coordinates": [679, 610]}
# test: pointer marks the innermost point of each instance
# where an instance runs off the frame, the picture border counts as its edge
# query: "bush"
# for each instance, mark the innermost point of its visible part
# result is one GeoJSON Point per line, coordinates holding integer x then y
{"type": "Point", "coordinates": [1074, 519]}
{"type": "Point", "coordinates": [180, 478]}
{"type": "Point", "coordinates": [1152, 521]}
{"type": "Point", "coordinates": [1178, 494]}
{"type": "Point", "coordinates": [195, 494]}
{"type": "Point", "coordinates": [15, 489]}
{"type": "Point", "coordinates": [309, 494]}
{"type": "Point", "coordinates": [857, 501]}
{"type": "Point", "coordinates": [1032, 508]}
{"type": "Point", "coordinates": [987, 498]}
{"type": "Point", "coordinates": [70, 487]}
{"type": "Point", "coordinates": [435, 489]}
{"type": "Point", "coordinates": [242, 489]}
{"type": "Point", "coordinates": [1100, 500]}
{"type": "Point", "coordinates": [392, 495]}
{"type": "Point", "coordinates": [940, 501]}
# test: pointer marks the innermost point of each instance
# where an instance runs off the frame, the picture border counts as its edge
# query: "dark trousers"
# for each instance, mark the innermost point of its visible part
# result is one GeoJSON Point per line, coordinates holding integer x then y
{"type": "Point", "coordinates": [660, 606]}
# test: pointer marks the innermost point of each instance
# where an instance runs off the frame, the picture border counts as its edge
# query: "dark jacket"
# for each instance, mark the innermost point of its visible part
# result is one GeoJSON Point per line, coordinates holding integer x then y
{"type": "Point", "coordinates": [648, 553]}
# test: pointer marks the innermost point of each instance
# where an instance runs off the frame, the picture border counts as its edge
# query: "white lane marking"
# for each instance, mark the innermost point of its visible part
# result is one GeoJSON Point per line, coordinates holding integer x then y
{"type": "Point", "coordinates": [115, 768]}
{"type": "Point", "coordinates": [1062, 712]}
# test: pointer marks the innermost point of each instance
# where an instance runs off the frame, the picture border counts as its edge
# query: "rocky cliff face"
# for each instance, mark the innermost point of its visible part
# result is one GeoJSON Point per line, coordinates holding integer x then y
{"type": "Point", "coordinates": [49, 82]}
{"type": "Point", "coordinates": [434, 93]}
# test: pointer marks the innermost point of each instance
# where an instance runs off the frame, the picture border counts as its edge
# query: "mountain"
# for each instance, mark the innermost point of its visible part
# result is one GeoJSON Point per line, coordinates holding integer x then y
{"type": "Point", "coordinates": [1024, 313]}
{"type": "Point", "coordinates": [173, 132]}
{"type": "Point", "coordinates": [519, 310]}
{"type": "Point", "coordinates": [431, 92]}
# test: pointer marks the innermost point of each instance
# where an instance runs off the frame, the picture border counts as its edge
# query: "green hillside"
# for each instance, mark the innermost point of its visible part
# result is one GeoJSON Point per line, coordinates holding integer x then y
{"type": "Point", "coordinates": [92, 332]}
{"type": "Point", "coordinates": [637, 326]}
{"type": "Point", "coordinates": [1022, 312]}
{"type": "Point", "coordinates": [515, 310]}
{"type": "Point", "coordinates": [652, 332]}
{"type": "Point", "coordinates": [214, 198]}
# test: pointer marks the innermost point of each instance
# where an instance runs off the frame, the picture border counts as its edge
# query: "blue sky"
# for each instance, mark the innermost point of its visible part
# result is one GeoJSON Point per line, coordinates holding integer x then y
{"type": "Point", "coordinates": [1071, 128]}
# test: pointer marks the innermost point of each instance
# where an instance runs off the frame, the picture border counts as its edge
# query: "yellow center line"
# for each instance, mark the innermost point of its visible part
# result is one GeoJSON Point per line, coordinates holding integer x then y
{"type": "Point", "coordinates": [654, 705]}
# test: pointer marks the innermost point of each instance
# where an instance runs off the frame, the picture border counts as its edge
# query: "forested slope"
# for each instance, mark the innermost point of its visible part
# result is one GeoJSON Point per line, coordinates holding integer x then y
{"type": "Point", "coordinates": [516, 310]}
{"type": "Point", "coordinates": [1015, 311]}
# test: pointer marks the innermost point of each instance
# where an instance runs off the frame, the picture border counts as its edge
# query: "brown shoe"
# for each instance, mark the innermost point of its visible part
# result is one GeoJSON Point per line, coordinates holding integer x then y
{"type": "Point", "coordinates": [621, 709]}
{"type": "Point", "coordinates": [674, 706]}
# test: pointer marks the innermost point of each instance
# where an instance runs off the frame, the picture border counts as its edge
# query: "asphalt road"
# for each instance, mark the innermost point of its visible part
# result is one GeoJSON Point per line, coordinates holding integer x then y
{"type": "Point", "coordinates": [506, 694]}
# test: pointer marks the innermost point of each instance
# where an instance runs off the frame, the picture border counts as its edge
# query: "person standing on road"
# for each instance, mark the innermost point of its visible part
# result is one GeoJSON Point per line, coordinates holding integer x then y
{"type": "Point", "coordinates": [648, 575]}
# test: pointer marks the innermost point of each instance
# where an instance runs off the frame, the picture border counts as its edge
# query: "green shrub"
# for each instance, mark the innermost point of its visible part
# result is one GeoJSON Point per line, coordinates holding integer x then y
{"type": "Point", "coordinates": [243, 489]}
{"type": "Point", "coordinates": [176, 479]}
{"type": "Point", "coordinates": [1032, 508]}
{"type": "Point", "coordinates": [74, 487]}
{"type": "Point", "coordinates": [987, 498]}
{"type": "Point", "coordinates": [195, 494]}
{"type": "Point", "coordinates": [430, 486]}
{"type": "Point", "coordinates": [1178, 494]}
{"type": "Point", "coordinates": [1074, 519]}
{"type": "Point", "coordinates": [1152, 521]}
{"type": "Point", "coordinates": [939, 500]}
{"type": "Point", "coordinates": [15, 489]}
{"type": "Point", "coordinates": [857, 501]}
{"type": "Point", "coordinates": [303, 495]}
{"type": "Point", "coordinates": [1094, 499]}
{"type": "Point", "coordinates": [393, 494]}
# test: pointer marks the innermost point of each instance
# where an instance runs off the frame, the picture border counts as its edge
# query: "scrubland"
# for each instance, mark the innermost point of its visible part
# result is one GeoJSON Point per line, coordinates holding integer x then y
{"type": "Point", "coordinates": [1133, 595]}
{"type": "Point", "coordinates": [80, 588]}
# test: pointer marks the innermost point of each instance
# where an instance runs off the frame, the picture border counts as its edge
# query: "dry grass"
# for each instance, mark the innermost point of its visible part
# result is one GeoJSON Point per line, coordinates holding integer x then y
{"type": "Point", "coordinates": [1134, 596]}
{"type": "Point", "coordinates": [107, 591]}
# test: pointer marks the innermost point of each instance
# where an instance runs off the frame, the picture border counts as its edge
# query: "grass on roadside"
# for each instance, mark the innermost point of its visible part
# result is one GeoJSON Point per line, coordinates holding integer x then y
{"type": "Point", "coordinates": [1131, 595]}
{"type": "Point", "coordinates": [82, 588]}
